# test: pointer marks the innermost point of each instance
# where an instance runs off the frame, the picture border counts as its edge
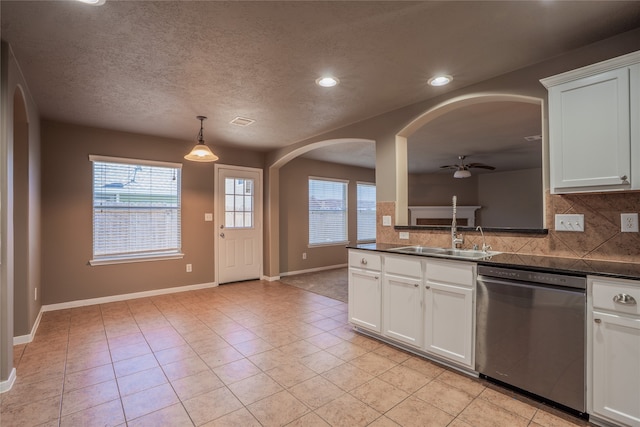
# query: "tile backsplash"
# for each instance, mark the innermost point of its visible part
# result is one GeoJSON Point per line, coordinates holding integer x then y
{"type": "Point", "coordinates": [602, 238]}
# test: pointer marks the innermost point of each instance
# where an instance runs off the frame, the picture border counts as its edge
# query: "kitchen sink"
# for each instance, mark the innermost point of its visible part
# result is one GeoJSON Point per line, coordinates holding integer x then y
{"type": "Point", "coordinates": [445, 252]}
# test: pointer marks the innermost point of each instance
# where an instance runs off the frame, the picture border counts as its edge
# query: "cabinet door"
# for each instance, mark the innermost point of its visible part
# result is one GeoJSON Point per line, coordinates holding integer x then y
{"type": "Point", "coordinates": [403, 309]}
{"type": "Point", "coordinates": [589, 133]}
{"type": "Point", "coordinates": [364, 299]}
{"type": "Point", "coordinates": [616, 368]}
{"type": "Point", "coordinates": [448, 322]}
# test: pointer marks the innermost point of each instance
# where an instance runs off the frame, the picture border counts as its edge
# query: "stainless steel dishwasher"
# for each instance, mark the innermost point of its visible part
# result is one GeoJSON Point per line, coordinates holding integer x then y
{"type": "Point", "coordinates": [530, 333]}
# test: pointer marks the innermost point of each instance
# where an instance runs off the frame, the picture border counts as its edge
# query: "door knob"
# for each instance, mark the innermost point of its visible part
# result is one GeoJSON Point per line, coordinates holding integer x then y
{"type": "Point", "coordinates": [597, 320]}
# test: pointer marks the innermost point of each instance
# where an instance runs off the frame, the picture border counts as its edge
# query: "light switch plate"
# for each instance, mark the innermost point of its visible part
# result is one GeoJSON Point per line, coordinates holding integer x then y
{"type": "Point", "coordinates": [404, 235]}
{"type": "Point", "coordinates": [386, 220]}
{"type": "Point", "coordinates": [208, 217]}
{"type": "Point", "coordinates": [629, 222]}
{"type": "Point", "coordinates": [569, 222]}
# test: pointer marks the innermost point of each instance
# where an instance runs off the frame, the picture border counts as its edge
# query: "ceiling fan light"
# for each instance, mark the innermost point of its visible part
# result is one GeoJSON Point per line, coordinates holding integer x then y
{"type": "Point", "coordinates": [462, 174]}
{"type": "Point", "coordinates": [201, 153]}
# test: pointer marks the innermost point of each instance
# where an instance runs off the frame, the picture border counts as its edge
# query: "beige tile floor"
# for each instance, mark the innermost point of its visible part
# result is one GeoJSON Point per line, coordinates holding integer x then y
{"type": "Point", "coordinates": [245, 354]}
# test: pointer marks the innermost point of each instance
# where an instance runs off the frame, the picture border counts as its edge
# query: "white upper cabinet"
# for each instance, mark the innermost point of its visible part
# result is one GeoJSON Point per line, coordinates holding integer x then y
{"type": "Point", "coordinates": [594, 127]}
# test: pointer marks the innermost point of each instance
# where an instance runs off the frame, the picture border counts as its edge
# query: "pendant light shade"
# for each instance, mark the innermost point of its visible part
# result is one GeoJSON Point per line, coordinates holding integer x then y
{"type": "Point", "coordinates": [201, 153]}
{"type": "Point", "coordinates": [464, 173]}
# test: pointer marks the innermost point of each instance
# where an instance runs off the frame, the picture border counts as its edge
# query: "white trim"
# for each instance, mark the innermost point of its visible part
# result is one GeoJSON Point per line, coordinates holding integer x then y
{"type": "Point", "coordinates": [270, 278]}
{"type": "Point", "coordinates": [125, 260]}
{"type": "Point", "coordinates": [593, 69]}
{"type": "Point", "coordinates": [322, 178]}
{"type": "Point", "coordinates": [107, 159]}
{"type": "Point", "coordinates": [124, 297]}
{"type": "Point", "coordinates": [8, 383]}
{"type": "Point", "coordinates": [312, 270]}
{"type": "Point", "coordinates": [25, 339]}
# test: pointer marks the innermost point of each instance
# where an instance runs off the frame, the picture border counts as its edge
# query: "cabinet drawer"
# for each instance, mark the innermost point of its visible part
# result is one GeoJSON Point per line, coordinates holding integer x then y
{"type": "Point", "coordinates": [370, 261]}
{"type": "Point", "coordinates": [458, 272]}
{"type": "Point", "coordinates": [622, 296]}
{"type": "Point", "coordinates": [403, 266]}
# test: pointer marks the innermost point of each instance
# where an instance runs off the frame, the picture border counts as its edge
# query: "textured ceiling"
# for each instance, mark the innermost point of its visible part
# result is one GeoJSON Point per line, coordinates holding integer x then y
{"type": "Point", "coordinates": [151, 67]}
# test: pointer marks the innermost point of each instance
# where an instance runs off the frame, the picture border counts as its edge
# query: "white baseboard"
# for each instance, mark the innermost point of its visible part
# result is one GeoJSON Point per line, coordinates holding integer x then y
{"type": "Point", "coordinates": [25, 339]}
{"type": "Point", "coordinates": [270, 278]}
{"type": "Point", "coordinates": [8, 383]}
{"type": "Point", "coordinates": [312, 270]}
{"type": "Point", "coordinates": [124, 297]}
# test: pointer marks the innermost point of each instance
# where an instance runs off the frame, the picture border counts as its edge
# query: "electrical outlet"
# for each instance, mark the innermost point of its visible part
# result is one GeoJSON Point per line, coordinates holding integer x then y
{"type": "Point", "coordinates": [189, 268]}
{"type": "Point", "coordinates": [404, 235]}
{"type": "Point", "coordinates": [304, 255]}
{"type": "Point", "coordinates": [629, 222]}
{"type": "Point", "coordinates": [386, 220]}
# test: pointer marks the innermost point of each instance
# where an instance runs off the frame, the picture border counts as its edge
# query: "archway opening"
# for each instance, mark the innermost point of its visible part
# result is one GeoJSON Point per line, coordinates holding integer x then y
{"type": "Point", "coordinates": [432, 120]}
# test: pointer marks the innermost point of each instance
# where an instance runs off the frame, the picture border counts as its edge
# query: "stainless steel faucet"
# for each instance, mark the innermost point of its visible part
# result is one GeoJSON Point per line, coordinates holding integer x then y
{"type": "Point", "coordinates": [485, 247]}
{"type": "Point", "coordinates": [456, 239]}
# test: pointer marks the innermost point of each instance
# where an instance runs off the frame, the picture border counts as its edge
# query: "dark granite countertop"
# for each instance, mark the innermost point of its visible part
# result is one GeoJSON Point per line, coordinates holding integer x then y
{"type": "Point", "coordinates": [574, 266]}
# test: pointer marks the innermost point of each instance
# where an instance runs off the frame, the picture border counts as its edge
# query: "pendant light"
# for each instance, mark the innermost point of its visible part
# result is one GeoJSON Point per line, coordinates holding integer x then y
{"type": "Point", "coordinates": [201, 153]}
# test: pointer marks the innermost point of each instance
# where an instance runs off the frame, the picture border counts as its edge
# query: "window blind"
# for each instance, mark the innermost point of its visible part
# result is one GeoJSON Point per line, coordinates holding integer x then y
{"type": "Point", "coordinates": [327, 211]}
{"type": "Point", "coordinates": [366, 211]}
{"type": "Point", "coordinates": [136, 209]}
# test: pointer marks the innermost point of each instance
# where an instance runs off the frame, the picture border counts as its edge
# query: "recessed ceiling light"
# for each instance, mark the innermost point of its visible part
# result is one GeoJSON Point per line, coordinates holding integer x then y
{"type": "Point", "coordinates": [327, 81]}
{"type": "Point", "coordinates": [93, 2]}
{"type": "Point", "coordinates": [440, 80]}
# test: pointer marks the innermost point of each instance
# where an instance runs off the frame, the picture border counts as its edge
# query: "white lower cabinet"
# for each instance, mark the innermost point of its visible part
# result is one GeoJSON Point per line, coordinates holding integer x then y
{"type": "Point", "coordinates": [402, 300]}
{"type": "Point", "coordinates": [425, 304]}
{"type": "Point", "coordinates": [449, 311]}
{"type": "Point", "coordinates": [365, 290]}
{"type": "Point", "coordinates": [448, 323]}
{"type": "Point", "coordinates": [614, 351]}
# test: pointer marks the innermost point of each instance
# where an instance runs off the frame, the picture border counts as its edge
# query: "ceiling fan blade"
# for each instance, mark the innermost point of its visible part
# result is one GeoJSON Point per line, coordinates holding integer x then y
{"type": "Point", "coordinates": [480, 166]}
{"type": "Point", "coordinates": [450, 167]}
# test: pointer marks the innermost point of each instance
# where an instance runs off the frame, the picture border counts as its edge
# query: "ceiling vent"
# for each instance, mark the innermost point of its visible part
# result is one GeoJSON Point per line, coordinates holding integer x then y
{"type": "Point", "coordinates": [533, 138]}
{"type": "Point", "coordinates": [241, 121]}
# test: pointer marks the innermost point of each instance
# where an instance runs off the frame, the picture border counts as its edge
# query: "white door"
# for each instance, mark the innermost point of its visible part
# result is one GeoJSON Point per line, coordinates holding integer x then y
{"type": "Point", "coordinates": [403, 309]}
{"type": "Point", "coordinates": [364, 299]}
{"type": "Point", "coordinates": [449, 322]}
{"type": "Point", "coordinates": [589, 132]}
{"type": "Point", "coordinates": [616, 368]}
{"type": "Point", "coordinates": [238, 223]}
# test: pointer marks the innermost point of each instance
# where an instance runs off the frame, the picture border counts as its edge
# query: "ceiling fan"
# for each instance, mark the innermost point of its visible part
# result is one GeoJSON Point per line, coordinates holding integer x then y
{"type": "Point", "coordinates": [462, 169]}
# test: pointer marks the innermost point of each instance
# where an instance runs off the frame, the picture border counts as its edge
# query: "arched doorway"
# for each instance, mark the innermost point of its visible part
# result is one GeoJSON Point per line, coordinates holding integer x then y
{"type": "Point", "coordinates": [272, 188]}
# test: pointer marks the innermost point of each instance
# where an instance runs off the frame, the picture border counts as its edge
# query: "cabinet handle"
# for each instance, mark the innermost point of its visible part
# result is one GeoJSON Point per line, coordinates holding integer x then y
{"type": "Point", "coordinates": [427, 287]}
{"type": "Point", "coordinates": [597, 320]}
{"type": "Point", "coordinates": [624, 299]}
{"type": "Point", "coordinates": [375, 277]}
{"type": "Point", "coordinates": [623, 177]}
{"type": "Point", "coordinates": [363, 261]}
{"type": "Point", "coordinates": [415, 285]}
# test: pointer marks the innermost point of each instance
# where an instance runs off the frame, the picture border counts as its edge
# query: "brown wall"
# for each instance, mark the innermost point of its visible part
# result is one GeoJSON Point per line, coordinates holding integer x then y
{"type": "Point", "coordinates": [511, 199]}
{"type": "Point", "coordinates": [294, 213]}
{"type": "Point", "coordinates": [436, 189]}
{"type": "Point", "coordinates": [67, 213]}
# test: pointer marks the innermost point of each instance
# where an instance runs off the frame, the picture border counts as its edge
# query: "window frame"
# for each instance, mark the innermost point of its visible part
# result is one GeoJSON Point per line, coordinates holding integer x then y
{"type": "Point", "coordinates": [370, 184]}
{"type": "Point", "coordinates": [142, 256]}
{"type": "Point", "coordinates": [346, 212]}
